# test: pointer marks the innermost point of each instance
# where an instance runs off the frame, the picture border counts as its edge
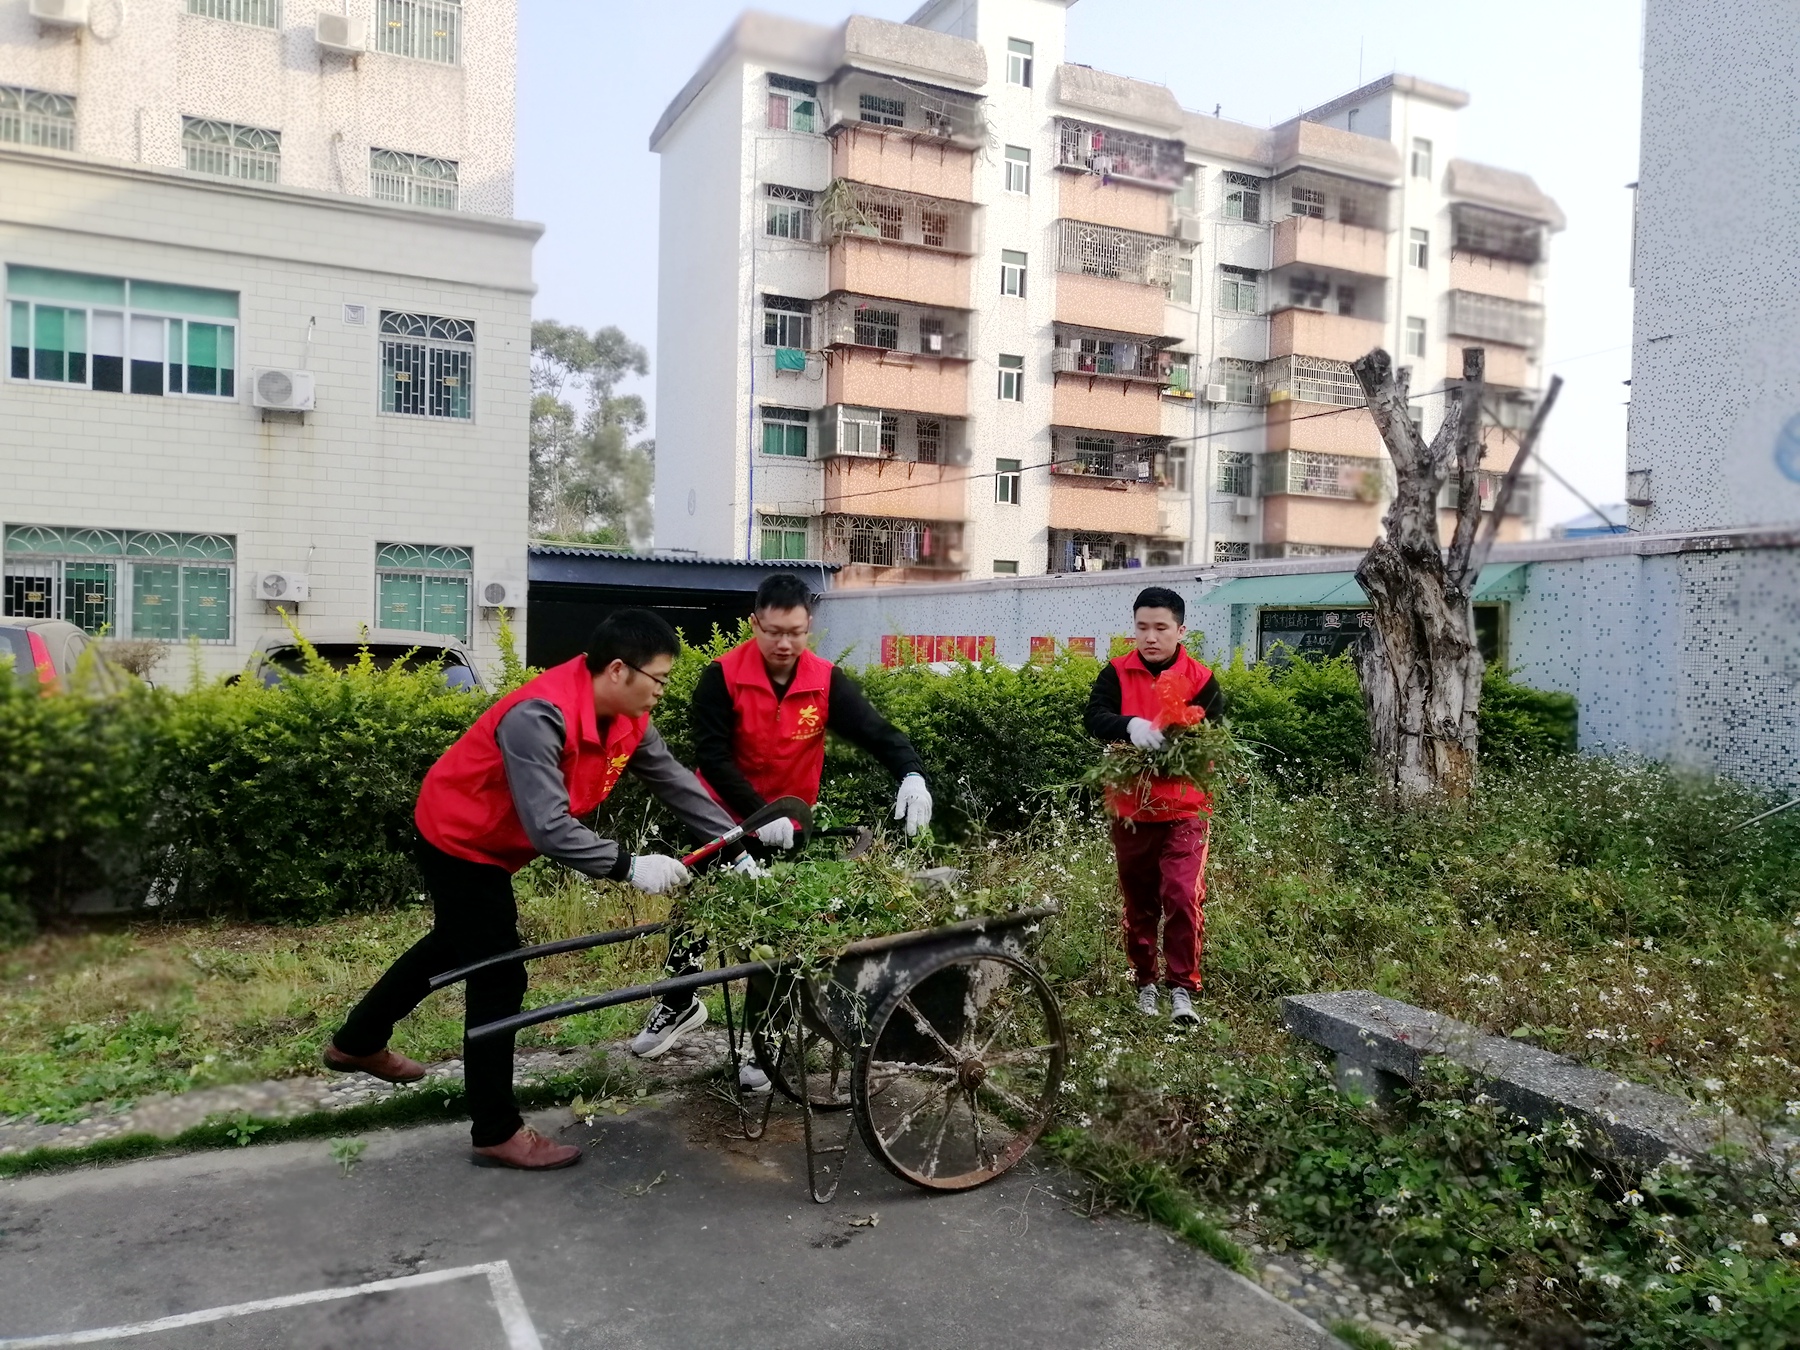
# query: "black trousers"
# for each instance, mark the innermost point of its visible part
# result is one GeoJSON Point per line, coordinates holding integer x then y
{"type": "Point", "coordinates": [473, 915]}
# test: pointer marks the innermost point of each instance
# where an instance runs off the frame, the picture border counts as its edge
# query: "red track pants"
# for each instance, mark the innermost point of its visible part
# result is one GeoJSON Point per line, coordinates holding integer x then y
{"type": "Point", "coordinates": [1162, 873]}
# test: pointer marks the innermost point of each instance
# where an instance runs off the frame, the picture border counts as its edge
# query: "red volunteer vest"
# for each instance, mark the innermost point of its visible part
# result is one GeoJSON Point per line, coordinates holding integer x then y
{"type": "Point", "coordinates": [465, 807]}
{"type": "Point", "coordinates": [1168, 798]}
{"type": "Point", "coordinates": [780, 744]}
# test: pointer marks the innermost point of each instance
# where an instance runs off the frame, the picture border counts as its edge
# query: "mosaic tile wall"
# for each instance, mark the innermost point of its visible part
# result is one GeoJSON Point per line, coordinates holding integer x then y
{"type": "Point", "coordinates": [1688, 657]}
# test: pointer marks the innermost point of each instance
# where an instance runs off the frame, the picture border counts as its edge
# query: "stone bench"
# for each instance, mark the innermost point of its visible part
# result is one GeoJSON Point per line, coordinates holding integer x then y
{"type": "Point", "coordinates": [1380, 1044]}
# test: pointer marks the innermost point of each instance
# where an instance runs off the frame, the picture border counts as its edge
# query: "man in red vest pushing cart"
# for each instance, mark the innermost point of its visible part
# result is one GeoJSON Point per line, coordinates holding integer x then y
{"type": "Point", "coordinates": [1160, 836]}
{"type": "Point", "coordinates": [512, 788]}
{"type": "Point", "coordinates": [760, 714]}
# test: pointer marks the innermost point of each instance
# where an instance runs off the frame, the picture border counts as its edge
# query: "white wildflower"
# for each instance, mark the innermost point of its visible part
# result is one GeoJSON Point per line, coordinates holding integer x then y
{"type": "Point", "coordinates": [1759, 1219]}
{"type": "Point", "coordinates": [1713, 1085]}
{"type": "Point", "coordinates": [1632, 1198]}
{"type": "Point", "coordinates": [1672, 1265]}
{"type": "Point", "coordinates": [1714, 1302]}
{"type": "Point", "coordinates": [1611, 1281]}
{"type": "Point", "coordinates": [1789, 1240]}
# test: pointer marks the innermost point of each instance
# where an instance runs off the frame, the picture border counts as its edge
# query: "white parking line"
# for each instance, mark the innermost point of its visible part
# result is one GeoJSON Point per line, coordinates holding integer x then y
{"type": "Point", "coordinates": [508, 1302]}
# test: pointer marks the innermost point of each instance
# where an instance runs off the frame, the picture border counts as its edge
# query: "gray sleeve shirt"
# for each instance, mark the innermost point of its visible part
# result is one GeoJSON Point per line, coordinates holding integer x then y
{"type": "Point", "coordinates": [531, 738]}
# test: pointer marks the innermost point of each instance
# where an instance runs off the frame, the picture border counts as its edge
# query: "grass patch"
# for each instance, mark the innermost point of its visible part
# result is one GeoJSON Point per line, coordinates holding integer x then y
{"type": "Point", "coordinates": [1359, 1337]}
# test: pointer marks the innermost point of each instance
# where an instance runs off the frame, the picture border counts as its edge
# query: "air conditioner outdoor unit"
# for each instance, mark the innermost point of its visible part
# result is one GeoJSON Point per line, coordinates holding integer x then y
{"type": "Point", "coordinates": [69, 13]}
{"type": "Point", "coordinates": [1215, 393]}
{"type": "Point", "coordinates": [1187, 229]}
{"type": "Point", "coordinates": [1243, 507]}
{"type": "Point", "coordinates": [282, 587]}
{"type": "Point", "coordinates": [287, 390]}
{"type": "Point", "coordinates": [340, 33]}
{"type": "Point", "coordinates": [495, 593]}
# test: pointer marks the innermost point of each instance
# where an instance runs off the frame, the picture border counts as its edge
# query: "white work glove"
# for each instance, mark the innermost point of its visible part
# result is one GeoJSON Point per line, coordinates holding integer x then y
{"type": "Point", "coordinates": [1144, 734]}
{"type": "Point", "coordinates": [777, 833]}
{"type": "Point", "coordinates": [913, 804]}
{"type": "Point", "coordinates": [657, 874]}
{"type": "Point", "coordinates": [749, 866]}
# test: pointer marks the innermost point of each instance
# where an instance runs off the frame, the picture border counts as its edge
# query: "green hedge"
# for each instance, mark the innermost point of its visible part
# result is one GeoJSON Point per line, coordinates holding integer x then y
{"type": "Point", "coordinates": [295, 802]}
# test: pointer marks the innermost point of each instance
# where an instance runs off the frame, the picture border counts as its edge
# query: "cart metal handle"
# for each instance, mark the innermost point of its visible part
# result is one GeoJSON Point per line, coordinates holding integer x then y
{"type": "Point", "coordinates": [678, 984]}
{"type": "Point", "coordinates": [791, 807]}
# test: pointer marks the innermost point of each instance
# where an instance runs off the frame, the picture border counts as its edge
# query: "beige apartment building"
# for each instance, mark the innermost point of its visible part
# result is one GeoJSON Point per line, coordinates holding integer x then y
{"type": "Point", "coordinates": [268, 320]}
{"type": "Point", "coordinates": [936, 302]}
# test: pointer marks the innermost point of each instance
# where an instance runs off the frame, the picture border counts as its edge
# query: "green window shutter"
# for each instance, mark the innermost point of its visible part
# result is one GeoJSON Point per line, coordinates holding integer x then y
{"type": "Point", "coordinates": [772, 546]}
{"type": "Point", "coordinates": [446, 601]}
{"type": "Point", "coordinates": [88, 595]}
{"type": "Point", "coordinates": [156, 601]}
{"type": "Point", "coordinates": [774, 438]}
{"type": "Point", "coordinates": [401, 599]}
{"type": "Point", "coordinates": [197, 300]}
{"type": "Point", "coordinates": [77, 288]}
{"type": "Point", "coordinates": [206, 603]}
{"type": "Point", "coordinates": [796, 545]}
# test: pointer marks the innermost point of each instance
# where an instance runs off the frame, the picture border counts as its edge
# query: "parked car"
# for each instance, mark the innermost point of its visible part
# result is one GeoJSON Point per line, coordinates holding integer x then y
{"type": "Point", "coordinates": [47, 654]}
{"type": "Point", "coordinates": [282, 656]}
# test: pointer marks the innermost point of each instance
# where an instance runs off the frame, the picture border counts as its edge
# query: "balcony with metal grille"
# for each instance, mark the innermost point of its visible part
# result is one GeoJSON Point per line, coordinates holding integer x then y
{"type": "Point", "coordinates": [867, 101]}
{"type": "Point", "coordinates": [876, 550]}
{"type": "Point", "coordinates": [1492, 318]}
{"type": "Point", "coordinates": [937, 167]}
{"type": "Point", "coordinates": [1119, 156]}
{"type": "Point", "coordinates": [1317, 195]}
{"type": "Point", "coordinates": [1086, 452]}
{"type": "Point", "coordinates": [1495, 234]}
{"type": "Point", "coordinates": [1311, 473]}
{"type": "Point", "coordinates": [1109, 278]}
{"type": "Point", "coordinates": [850, 210]}
{"type": "Point", "coordinates": [893, 435]}
{"type": "Point", "coordinates": [889, 354]}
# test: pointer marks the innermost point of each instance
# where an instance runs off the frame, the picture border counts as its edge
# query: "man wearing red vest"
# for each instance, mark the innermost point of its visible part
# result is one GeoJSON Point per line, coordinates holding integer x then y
{"type": "Point", "coordinates": [513, 788]}
{"type": "Point", "coordinates": [1160, 837]}
{"type": "Point", "coordinates": [760, 714]}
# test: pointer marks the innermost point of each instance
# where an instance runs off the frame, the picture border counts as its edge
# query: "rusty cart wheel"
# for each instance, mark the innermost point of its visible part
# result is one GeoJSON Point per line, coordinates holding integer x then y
{"type": "Point", "coordinates": [960, 1072]}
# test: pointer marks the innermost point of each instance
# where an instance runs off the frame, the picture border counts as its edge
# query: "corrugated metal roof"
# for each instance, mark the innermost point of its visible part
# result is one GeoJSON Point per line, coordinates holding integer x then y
{"type": "Point", "coordinates": [1498, 581]}
{"type": "Point", "coordinates": [693, 559]}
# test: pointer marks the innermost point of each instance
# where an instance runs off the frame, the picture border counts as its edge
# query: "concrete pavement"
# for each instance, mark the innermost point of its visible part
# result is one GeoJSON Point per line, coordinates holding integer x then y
{"type": "Point", "coordinates": [668, 1234]}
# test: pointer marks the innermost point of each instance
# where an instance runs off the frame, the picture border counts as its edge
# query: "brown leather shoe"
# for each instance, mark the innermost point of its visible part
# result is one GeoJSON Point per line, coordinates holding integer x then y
{"type": "Point", "coordinates": [529, 1151]}
{"type": "Point", "coordinates": [383, 1064]}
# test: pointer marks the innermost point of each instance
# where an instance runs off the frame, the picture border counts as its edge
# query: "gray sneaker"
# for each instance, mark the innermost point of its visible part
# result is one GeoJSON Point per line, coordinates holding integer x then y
{"type": "Point", "coordinates": [752, 1081]}
{"type": "Point", "coordinates": [665, 1026]}
{"type": "Point", "coordinates": [1181, 1011]}
{"type": "Point", "coordinates": [1147, 1000]}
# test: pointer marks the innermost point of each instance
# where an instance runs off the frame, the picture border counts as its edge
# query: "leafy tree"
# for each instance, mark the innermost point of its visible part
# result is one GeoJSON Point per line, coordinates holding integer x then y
{"type": "Point", "coordinates": [591, 470]}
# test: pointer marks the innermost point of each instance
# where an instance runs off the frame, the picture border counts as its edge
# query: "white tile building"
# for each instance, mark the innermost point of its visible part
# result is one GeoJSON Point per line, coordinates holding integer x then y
{"type": "Point", "coordinates": [195, 191]}
{"type": "Point", "coordinates": [935, 302]}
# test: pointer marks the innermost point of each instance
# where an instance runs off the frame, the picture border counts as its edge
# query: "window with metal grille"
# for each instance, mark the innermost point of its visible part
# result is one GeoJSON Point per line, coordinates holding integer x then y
{"type": "Point", "coordinates": [890, 435]}
{"type": "Point", "coordinates": [427, 366]}
{"type": "Point", "coordinates": [1181, 280]}
{"type": "Point", "coordinates": [126, 583]}
{"type": "Point", "coordinates": [791, 111]}
{"type": "Point", "coordinates": [413, 180]}
{"type": "Point", "coordinates": [889, 219]}
{"type": "Point", "coordinates": [1006, 481]}
{"type": "Point", "coordinates": [928, 440]}
{"type": "Point", "coordinates": [785, 431]}
{"type": "Point", "coordinates": [881, 112]}
{"type": "Point", "coordinates": [1018, 62]}
{"type": "Point", "coordinates": [262, 13]}
{"type": "Point", "coordinates": [1239, 379]}
{"type": "Point", "coordinates": [228, 150]}
{"type": "Point", "coordinates": [783, 538]}
{"type": "Point", "coordinates": [1018, 168]}
{"type": "Point", "coordinates": [1012, 272]}
{"type": "Point", "coordinates": [1307, 202]}
{"type": "Point", "coordinates": [931, 335]}
{"type": "Point", "coordinates": [423, 588]}
{"type": "Point", "coordinates": [425, 30]}
{"type": "Point", "coordinates": [113, 335]}
{"type": "Point", "coordinates": [789, 212]}
{"type": "Point", "coordinates": [1236, 473]}
{"type": "Point", "coordinates": [878, 328]}
{"type": "Point", "coordinates": [1237, 290]}
{"type": "Point", "coordinates": [934, 228]}
{"type": "Point", "coordinates": [1231, 550]}
{"type": "Point", "coordinates": [1012, 378]}
{"type": "Point", "coordinates": [787, 322]}
{"type": "Point", "coordinates": [1418, 247]}
{"type": "Point", "coordinates": [1243, 198]}
{"type": "Point", "coordinates": [33, 117]}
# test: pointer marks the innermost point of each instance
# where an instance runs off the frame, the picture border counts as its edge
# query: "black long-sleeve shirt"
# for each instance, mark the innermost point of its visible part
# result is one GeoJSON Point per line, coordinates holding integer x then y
{"type": "Point", "coordinates": [1104, 720]}
{"type": "Point", "coordinates": [848, 712]}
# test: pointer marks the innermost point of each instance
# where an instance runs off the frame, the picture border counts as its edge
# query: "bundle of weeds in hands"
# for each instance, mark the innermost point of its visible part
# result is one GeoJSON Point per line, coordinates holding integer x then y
{"type": "Point", "coordinates": [1193, 750]}
{"type": "Point", "coordinates": [809, 911]}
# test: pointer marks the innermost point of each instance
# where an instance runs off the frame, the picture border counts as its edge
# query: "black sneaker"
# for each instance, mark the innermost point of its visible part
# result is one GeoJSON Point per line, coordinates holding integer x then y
{"type": "Point", "coordinates": [665, 1026]}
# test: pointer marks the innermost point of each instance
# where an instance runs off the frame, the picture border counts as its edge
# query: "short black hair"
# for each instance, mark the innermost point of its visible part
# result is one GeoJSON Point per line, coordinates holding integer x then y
{"type": "Point", "coordinates": [1161, 597]}
{"type": "Point", "coordinates": [633, 636]}
{"type": "Point", "coordinates": [784, 590]}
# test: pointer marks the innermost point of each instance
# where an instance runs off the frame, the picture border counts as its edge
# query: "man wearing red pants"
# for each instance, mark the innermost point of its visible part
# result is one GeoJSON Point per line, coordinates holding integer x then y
{"type": "Point", "coordinates": [1159, 836]}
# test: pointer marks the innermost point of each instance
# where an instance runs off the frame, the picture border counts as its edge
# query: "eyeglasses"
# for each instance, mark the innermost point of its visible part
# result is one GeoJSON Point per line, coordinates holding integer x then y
{"type": "Point", "coordinates": [660, 681]}
{"type": "Point", "coordinates": [792, 634]}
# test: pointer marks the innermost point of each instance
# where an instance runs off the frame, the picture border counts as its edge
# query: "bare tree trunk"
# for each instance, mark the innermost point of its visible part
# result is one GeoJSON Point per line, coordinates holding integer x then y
{"type": "Point", "coordinates": [1421, 669]}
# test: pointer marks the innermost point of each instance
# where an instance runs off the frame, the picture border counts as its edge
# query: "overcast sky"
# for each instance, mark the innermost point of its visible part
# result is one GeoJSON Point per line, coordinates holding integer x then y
{"type": "Point", "coordinates": [1554, 88]}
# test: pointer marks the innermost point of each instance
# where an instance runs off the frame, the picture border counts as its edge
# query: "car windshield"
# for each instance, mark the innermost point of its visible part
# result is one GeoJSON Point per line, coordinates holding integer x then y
{"type": "Point", "coordinates": [343, 655]}
{"type": "Point", "coordinates": [15, 644]}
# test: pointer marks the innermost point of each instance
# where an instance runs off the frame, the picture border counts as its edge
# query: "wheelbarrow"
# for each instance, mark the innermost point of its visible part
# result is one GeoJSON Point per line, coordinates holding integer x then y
{"type": "Point", "coordinates": [945, 1046]}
